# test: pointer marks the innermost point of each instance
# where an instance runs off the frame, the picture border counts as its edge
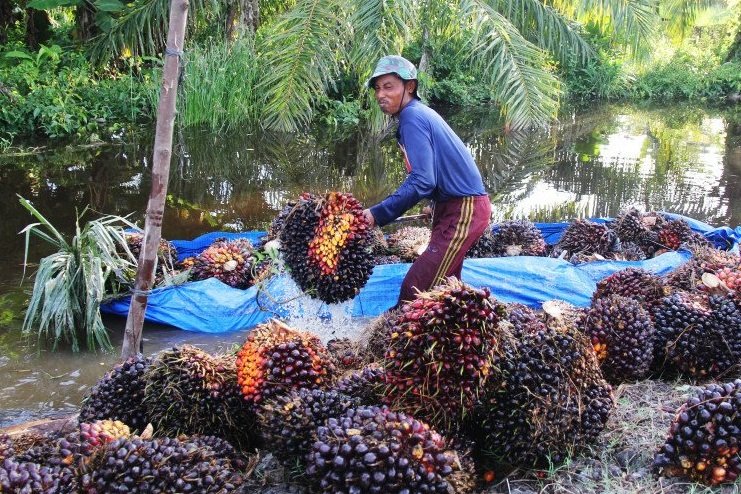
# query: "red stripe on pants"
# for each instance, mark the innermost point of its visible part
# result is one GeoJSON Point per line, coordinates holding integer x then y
{"type": "Point", "coordinates": [456, 225]}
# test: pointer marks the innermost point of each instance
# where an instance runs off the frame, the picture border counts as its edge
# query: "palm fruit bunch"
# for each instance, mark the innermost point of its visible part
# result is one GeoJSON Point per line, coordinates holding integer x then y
{"type": "Point", "coordinates": [288, 421]}
{"type": "Point", "coordinates": [376, 337]}
{"type": "Point", "coordinates": [378, 243]}
{"type": "Point", "coordinates": [140, 465]}
{"type": "Point", "coordinates": [630, 251]}
{"type": "Point", "coordinates": [635, 283]}
{"type": "Point", "coordinates": [466, 477]}
{"type": "Point", "coordinates": [376, 450]}
{"type": "Point", "coordinates": [276, 358]}
{"type": "Point", "coordinates": [28, 477]}
{"type": "Point", "coordinates": [587, 238]}
{"type": "Point", "coordinates": [276, 225]}
{"type": "Point", "coordinates": [484, 246]}
{"type": "Point", "coordinates": [548, 401]}
{"type": "Point", "coordinates": [189, 391]}
{"type": "Point", "coordinates": [517, 238]}
{"type": "Point", "coordinates": [731, 278]}
{"type": "Point", "coordinates": [229, 261]}
{"type": "Point", "coordinates": [6, 447]}
{"type": "Point", "coordinates": [119, 395]}
{"type": "Point", "coordinates": [440, 352]}
{"type": "Point", "coordinates": [409, 242]}
{"type": "Point", "coordinates": [697, 335]}
{"type": "Point", "coordinates": [345, 354]}
{"type": "Point", "coordinates": [326, 243]}
{"type": "Point", "coordinates": [704, 437]}
{"type": "Point", "coordinates": [392, 259]}
{"type": "Point", "coordinates": [622, 334]}
{"type": "Point", "coordinates": [524, 319]}
{"type": "Point", "coordinates": [366, 384]}
{"type": "Point", "coordinates": [631, 225]}
{"type": "Point", "coordinates": [674, 233]}
{"type": "Point", "coordinates": [167, 254]}
{"type": "Point", "coordinates": [561, 316]}
{"type": "Point", "coordinates": [705, 259]}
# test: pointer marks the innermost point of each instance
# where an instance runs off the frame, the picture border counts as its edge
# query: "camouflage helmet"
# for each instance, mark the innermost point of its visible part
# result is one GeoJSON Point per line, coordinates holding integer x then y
{"type": "Point", "coordinates": [394, 64]}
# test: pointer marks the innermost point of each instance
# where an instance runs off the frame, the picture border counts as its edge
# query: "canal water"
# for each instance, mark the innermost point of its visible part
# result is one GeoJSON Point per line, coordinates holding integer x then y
{"type": "Point", "coordinates": [596, 161]}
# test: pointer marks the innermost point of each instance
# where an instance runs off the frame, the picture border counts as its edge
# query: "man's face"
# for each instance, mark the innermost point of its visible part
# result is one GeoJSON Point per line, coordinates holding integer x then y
{"type": "Point", "coordinates": [389, 92]}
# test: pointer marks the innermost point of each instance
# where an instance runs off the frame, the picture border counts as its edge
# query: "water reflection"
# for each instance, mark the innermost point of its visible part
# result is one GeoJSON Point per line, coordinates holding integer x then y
{"type": "Point", "coordinates": [595, 162]}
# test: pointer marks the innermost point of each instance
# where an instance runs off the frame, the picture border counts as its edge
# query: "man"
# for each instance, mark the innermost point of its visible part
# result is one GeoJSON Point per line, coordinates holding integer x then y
{"type": "Point", "coordinates": [439, 168]}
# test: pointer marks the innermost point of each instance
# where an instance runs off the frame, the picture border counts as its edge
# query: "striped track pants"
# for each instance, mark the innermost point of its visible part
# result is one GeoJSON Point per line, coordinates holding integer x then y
{"type": "Point", "coordinates": [456, 225]}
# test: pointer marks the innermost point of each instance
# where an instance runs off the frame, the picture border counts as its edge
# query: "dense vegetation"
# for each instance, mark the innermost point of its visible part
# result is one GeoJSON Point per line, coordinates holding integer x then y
{"type": "Point", "coordinates": [86, 68]}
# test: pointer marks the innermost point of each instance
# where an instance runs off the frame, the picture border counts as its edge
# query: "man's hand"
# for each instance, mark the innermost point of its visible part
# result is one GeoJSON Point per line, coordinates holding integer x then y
{"type": "Point", "coordinates": [369, 218]}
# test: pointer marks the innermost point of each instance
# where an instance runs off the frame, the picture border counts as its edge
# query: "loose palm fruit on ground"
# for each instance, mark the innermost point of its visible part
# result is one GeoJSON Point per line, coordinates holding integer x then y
{"type": "Point", "coordinates": [230, 261]}
{"type": "Point", "coordinates": [409, 242]}
{"type": "Point", "coordinates": [376, 450]}
{"type": "Point", "coordinates": [119, 395]}
{"type": "Point", "coordinates": [622, 335]}
{"type": "Point", "coordinates": [441, 349]}
{"type": "Point", "coordinates": [587, 238]}
{"type": "Point", "coordinates": [547, 400]}
{"type": "Point", "coordinates": [326, 244]}
{"type": "Point", "coordinates": [704, 438]}
{"type": "Point", "coordinates": [638, 284]}
{"type": "Point", "coordinates": [517, 238]}
{"type": "Point", "coordinates": [289, 421]}
{"type": "Point", "coordinates": [698, 335]}
{"type": "Point", "coordinates": [277, 358]}
{"type": "Point", "coordinates": [189, 391]}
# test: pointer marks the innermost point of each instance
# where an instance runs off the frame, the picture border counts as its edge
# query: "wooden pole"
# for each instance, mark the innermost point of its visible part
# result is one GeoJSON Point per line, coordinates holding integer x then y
{"type": "Point", "coordinates": [160, 177]}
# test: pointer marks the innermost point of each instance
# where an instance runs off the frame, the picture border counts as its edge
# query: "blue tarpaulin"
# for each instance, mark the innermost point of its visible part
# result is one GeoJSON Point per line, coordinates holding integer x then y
{"type": "Point", "coordinates": [213, 307]}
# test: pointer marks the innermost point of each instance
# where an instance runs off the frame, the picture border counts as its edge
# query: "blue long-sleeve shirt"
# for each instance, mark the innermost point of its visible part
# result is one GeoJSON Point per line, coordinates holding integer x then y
{"type": "Point", "coordinates": [438, 164]}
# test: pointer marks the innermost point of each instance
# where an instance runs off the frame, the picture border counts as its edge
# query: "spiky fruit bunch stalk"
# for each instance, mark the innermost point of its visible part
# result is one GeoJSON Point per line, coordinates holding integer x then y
{"type": "Point", "coordinates": [705, 436]}
{"type": "Point", "coordinates": [698, 335]}
{"type": "Point", "coordinates": [345, 354]}
{"type": "Point", "coordinates": [587, 238]}
{"type": "Point", "coordinates": [376, 450]}
{"type": "Point", "coordinates": [635, 283]}
{"type": "Point", "coordinates": [622, 334]}
{"type": "Point", "coordinates": [167, 253]}
{"type": "Point", "coordinates": [441, 350]}
{"type": "Point", "coordinates": [276, 225]}
{"type": "Point", "coordinates": [276, 359]}
{"type": "Point", "coordinates": [326, 243]}
{"type": "Point", "coordinates": [161, 465]}
{"type": "Point", "coordinates": [229, 261]}
{"type": "Point", "coordinates": [549, 401]}
{"type": "Point", "coordinates": [189, 391]}
{"type": "Point", "coordinates": [119, 395]}
{"type": "Point", "coordinates": [484, 246]}
{"type": "Point", "coordinates": [517, 238]}
{"type": "Point", "coordinates": [409, 242]}
{"type": "Point", "coordinates": [289, 421]}
{"type": "Point", "coordinates": [366, 384]}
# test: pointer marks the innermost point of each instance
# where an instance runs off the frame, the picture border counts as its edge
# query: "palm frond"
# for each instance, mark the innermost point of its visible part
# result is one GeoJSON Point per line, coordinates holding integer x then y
{"type": "Point", "coordinates": [550, 29]}
{"type": "Point", "coordinates": [634, 22]}
{"type": "Point", "coordinates": [299, 58]}
{"type": "Point", "coordinates": [681, 14]}
{"type": "Point", "coordinates": [516, 69]}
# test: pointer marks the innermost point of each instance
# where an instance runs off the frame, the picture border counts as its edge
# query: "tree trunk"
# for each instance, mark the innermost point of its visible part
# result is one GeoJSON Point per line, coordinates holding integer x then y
{"type": "Point", "coordinates": [6, 19]}
{"type": "Point", "coordinates": [38, 28]}
{"type": "Point", "coordinates": [160, 177]}
{"type": "Point", "coordinates": [231, 21]}
{"type": "Point", "coordinates": [85, 26]}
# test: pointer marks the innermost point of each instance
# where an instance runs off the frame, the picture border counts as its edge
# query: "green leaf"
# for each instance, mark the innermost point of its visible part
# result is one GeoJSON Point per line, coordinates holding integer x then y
{"type": "Point", "coordinates": [52, 4]}
{"type": "Point", "coordinates": [109, 5]}
{"type": "Point", "coordinates": [18, 54]}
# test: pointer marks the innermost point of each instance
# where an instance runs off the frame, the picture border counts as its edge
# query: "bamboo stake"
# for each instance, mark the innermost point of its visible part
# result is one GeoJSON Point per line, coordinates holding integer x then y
{"type": "Point", "coordinates": [160, 177]}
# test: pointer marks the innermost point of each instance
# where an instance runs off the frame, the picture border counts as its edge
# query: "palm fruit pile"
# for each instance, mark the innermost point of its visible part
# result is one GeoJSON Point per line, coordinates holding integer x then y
{"type": "Point", "coordinates": [697, 335]}
{"type": "Point", "coordinates": [635, 283]}
{"type": "Point", "coordinates": [345, 354]}
{"type": "Point", "coordinates": [138, 465]}
{"type": "Point", "coordinates": [484, 246]}
{"type": "Point", "coordinates": [276, 359]}
{"type": "Point", "coordinates": [366, 385]}
{"type": "Point", "coordinates": [119, 395]}
{"type": "Point", "coordinates": [376, 450]}
{"type": "Point", "coordinates": [392, 259]}
{"type": "Point", "coordinates": [548, 401]}
{"type": "Point", "coordinates": [517, 238]}
{"type": "Point", "coordinates": [167, 254]}
{"type": "Point", "coordinates": [326, 244]}
{"type": "Point", "coordinates": [622, 334]}
{"type": "Point", "coordinates": [189, 391]}
{"type": "Point", "coordinates": [288, 422]}
{"type": "Point", "coordinates": [229, 261]}
{"type": "Point", "coordinates": [705, 436]}
{"type": "Point", "coordinates": [441, 349]}
{"type": "Point", "coordinates": [409, 242]}
{"type": "Point", "coordinates": [705, 259]}
{"type": "Point", "coordinates": [584, 237]}
{"type": "Point", "coordinates": [276, 225]}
